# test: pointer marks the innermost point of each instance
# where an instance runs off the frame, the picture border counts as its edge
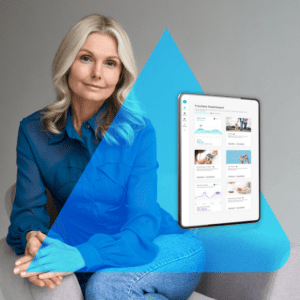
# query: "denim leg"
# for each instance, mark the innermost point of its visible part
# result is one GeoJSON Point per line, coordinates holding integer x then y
{"type": "Point", "coordinates": [173, 274]}
{"type": "Point", "coordinates": [141, 286]}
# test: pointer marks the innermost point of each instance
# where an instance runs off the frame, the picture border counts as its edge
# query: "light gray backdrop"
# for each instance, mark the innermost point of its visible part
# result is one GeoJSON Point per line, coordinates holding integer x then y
{"type": "Point", "coordinates": [234, 48]}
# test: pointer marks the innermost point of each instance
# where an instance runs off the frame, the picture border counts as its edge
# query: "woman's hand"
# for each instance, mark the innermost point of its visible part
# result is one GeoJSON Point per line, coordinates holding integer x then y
{"type": "Point", "coordinates": [41, 279]}
{"type": "Point", "coordinates": [53, 257]}
{"type": "Point", "coordinates": [32, 247]}
{"type": "Point", "coordinates": [50, 283]}
{"type": "Point", "coordinates": [51, 275]}
{"type": "Point", "coordinates": [33, 244]}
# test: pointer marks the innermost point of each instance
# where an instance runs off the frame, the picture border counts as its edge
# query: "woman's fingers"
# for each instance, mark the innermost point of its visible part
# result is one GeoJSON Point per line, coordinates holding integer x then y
{"type": "Point", "coordinates": [40, 264]}
{"type": "Point", "coordinates": [48, 275]}
{"type": "Point", "coordinates": [22, 268]}
{"type": "Point", "coordinates": [23, 260]}
{"type": "Point", "coordinates": [49, 284]}
{"type": "Point", "coordinates": [32, 246]}
{"type": "Point", "coordinates": [44, 252]}
{"type": "Point", "coordinates": [53, 274]}
{"type": "Point", "coordinates": [56, 280]}
{"type": "Point", "coordinates": [35, 280]}
{"type": "Point", "coordinates": [41, 236]}
{"type": "Point", "coordinates": [25, 274]}
{"type": "Point", "coordinates": [38, 269]}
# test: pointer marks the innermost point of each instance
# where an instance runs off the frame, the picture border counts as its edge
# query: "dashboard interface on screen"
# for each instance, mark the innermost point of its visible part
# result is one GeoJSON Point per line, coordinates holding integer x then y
{"type": "Point", "coordinates": [218, 160]}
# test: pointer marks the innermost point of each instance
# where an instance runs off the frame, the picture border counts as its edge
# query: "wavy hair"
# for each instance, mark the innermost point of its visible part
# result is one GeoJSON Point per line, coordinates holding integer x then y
{"type": "Point", "coordinates": [130, 117]}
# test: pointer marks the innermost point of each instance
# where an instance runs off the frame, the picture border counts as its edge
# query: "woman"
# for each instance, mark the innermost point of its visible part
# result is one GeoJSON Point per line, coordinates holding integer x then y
{"type": "Point", "coordinates": [93, 71]}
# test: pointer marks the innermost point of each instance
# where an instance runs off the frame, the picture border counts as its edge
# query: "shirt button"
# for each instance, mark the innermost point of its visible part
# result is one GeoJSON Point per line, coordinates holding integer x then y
{"type": "Point", "coordinates": [87, 126]}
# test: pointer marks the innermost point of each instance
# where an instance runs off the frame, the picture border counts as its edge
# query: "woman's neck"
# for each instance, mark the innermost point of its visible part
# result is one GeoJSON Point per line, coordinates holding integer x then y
{"type": "Point", "coordinates": [83, 110]}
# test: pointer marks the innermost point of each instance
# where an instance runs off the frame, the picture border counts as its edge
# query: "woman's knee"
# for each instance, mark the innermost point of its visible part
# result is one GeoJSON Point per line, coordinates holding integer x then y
{"type": "Point", "coordinates": [180, 261]}
{"type": "Point", "coordinates": [179, 253]}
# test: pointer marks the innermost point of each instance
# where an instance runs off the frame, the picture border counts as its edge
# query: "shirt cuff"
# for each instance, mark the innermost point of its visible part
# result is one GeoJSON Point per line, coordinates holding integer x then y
{"type": "Point", "coordinates": [91, 257]}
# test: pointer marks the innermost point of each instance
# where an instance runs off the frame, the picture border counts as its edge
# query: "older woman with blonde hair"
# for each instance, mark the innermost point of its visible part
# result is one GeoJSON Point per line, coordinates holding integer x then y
{"type": "Point", "coordinates": [117, 238]}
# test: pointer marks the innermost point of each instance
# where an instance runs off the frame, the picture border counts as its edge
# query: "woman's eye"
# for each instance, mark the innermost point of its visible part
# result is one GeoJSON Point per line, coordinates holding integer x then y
{"type": "Point", "coordinates": [86, 58]}
{"type": "Point", "coordinates": [111, 63]}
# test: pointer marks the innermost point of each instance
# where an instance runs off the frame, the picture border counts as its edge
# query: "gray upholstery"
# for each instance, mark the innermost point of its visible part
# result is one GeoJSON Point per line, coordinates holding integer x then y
{"type": "Point", "coordinates": [282, 284]}
{"type": "Point", "coordinates": [9, 197]}
{"type": "Point", "coordinates": [235, 286]}
{"type": "Point", "coordinates": [285, 284]}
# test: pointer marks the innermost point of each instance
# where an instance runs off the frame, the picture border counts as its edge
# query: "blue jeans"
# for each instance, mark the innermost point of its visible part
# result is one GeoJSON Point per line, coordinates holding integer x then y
{"type": "Point", "coordinates": [173, 274]}
{"type": "Point", "coordinates": [242, 124]}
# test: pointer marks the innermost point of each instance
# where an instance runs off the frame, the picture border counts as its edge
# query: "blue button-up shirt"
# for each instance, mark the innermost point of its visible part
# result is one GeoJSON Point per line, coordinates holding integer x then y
{"type": "Point", "coordinates": [113, 210]}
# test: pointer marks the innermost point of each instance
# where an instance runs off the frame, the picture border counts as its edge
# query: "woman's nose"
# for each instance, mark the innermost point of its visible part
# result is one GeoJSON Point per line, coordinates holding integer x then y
{"type": "Point", "coordinates": [97, 71]}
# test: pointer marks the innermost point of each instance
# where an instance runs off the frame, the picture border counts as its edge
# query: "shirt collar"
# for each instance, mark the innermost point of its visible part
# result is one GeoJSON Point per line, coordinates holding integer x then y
{"type": "Point", "coordinates": [93, 120]}
{"type": "Point", "coordinates": [70, 130]}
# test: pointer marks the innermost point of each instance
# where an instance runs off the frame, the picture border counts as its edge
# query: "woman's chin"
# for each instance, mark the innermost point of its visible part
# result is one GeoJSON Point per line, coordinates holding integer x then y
{"type": "Point", "coordinates": [90, 97]}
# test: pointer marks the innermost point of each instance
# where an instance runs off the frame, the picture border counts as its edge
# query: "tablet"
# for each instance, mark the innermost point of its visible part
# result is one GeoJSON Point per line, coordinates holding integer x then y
{"type": "Point", "coordinates": [218, 161]}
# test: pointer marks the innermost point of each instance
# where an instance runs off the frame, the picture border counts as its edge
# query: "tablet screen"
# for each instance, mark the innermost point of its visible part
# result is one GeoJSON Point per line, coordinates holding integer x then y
{"type": "Point", "coordinates": [218, 160]}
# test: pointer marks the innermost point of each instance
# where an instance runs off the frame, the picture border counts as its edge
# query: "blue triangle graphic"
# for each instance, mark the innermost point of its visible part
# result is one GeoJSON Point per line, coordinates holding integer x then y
{"type": "Point", "coordinates": [255, 247]}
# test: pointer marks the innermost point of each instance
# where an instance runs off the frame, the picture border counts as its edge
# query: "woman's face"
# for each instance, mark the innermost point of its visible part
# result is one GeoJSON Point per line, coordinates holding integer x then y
{"type": "Point", "coordinates": [96, 69]}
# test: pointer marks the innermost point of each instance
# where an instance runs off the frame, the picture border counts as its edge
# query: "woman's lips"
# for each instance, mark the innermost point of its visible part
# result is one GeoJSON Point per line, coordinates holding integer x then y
{"type": "Point", "coordinates": [94, 86]}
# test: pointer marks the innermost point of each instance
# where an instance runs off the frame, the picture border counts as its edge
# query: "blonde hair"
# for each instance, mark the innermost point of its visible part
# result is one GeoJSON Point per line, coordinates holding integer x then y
{"type": "Point", "coordinates": [55, 115]}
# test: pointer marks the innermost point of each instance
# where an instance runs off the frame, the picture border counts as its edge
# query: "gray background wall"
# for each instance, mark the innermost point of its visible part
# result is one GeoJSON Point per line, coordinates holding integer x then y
{"type": "Point", "coordinates": [234, 48]}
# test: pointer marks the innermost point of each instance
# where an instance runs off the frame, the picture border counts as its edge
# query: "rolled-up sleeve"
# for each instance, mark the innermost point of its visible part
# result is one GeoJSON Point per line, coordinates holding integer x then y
{"type": "Point", "coordinates": [29, 210]}
{"type": "Point", "coordinates": [133, 245]}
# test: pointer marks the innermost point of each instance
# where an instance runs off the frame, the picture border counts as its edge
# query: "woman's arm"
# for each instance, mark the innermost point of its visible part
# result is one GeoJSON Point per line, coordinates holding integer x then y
{"type": "Point", "coordinates": [29, 211]}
